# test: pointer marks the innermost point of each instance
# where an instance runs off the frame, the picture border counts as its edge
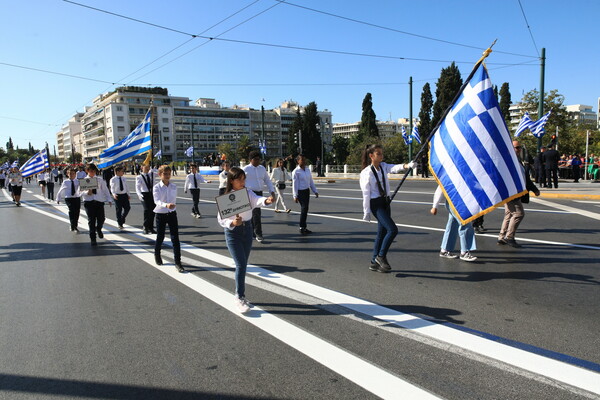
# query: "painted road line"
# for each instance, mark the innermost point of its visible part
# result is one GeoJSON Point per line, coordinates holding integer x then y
{"type": "Point", "coordinates": [364, 374]}
{"type": "Point", "coordinates": [573, 210]}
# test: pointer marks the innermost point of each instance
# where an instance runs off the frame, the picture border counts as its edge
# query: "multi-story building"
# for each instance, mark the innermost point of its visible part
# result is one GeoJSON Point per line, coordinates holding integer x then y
{"type": "Point", "coordinates": [115, 114]}
{"type": "Point", "coordinates": [68, 139]}
{"type": "Point", "coordinates": [387, 129]}
{"type": "Point", "coordinates": [582, 114]}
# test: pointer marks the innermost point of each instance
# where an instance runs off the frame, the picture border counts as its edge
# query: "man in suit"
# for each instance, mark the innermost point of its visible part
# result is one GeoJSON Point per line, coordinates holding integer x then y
{"type": "Point", "coordinates": [551, 158]}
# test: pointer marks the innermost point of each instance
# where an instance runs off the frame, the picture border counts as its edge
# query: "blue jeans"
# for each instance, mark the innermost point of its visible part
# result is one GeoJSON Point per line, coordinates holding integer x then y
{"type": "Point", "coordinates": [239, 243]}
{"type": "Point", "coordinates": [386, 228]}
{"type": "Point", "coordinates": [454, 229]}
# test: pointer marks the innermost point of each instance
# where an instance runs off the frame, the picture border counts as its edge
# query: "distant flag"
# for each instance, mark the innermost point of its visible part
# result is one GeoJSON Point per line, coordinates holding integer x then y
{"type": "Point", "coordinates": [159, 154]}
{"type": "Point", "coordinates": [524, 124]}
{"type": "Point", "coordinates": [262, 147]}
{"type": "Point", "coordinates": [415, 134]}
{"type": "Point", "coordinates": [15, 164]}
{"type": "Point", "coordinates": [537, 127]}
{"type": "Point", "coordinates": [471, 153]}
{"type": "Point", "coordinates": [36, 164]}
{"type": "Point", "coordinates": [407, 138]}
{"type": "Point", "coordinates": [4, 166]}
{"type": "Point", "coordinates": [190, 151]}
{"type": "Point", "coordinates": [137, 142]}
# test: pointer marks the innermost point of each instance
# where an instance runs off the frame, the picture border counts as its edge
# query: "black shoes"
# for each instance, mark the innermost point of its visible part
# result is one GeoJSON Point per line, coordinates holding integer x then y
{"type": "Point", "coordinates": [501, 241]}
{"type": "Point", "coordinates": [304, 231]}
{"type": "Point", "coordinates": [100, 234]}
{"type": "Point", "coordinates": [513, 243]}
{"type": "Point", "coordinates": [94, 243]}
{"type": "Point", "coordinates": [158, 259]}
{"type": "Point", "coordinates": [382, 264]}
{"type": "Point", "coordinates": [180, 269]}
{"type": "Point", "coordinates": [152, 231]}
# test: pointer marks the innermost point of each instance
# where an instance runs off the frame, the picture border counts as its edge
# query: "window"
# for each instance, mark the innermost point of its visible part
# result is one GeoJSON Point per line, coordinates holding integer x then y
{"type": "Point", "coordinates": [119, 108]}
{"type": "Point", "coordinates": [167, 148]}
{"type": "Point", "coordinates": [120, 129]}
{"type": "Point", "coordinates": [165, 120]}
{"type": "Point", "coordinates": [166, 139]}
{"type": "Point", "coordinates": [165, 110]}
{"type": "Point", "coordinates": [120, 119]}
{"type": "Point", "coordinates": [165, 129]}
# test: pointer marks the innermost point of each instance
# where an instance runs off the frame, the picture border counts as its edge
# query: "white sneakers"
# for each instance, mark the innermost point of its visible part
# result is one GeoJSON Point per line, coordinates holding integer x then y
{"type": "Point", "coordinates": [242, 304]}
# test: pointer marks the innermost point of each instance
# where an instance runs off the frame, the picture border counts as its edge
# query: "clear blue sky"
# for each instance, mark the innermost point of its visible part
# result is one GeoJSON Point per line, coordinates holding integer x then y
{"type": "Point", "coordinates": [61, 37]}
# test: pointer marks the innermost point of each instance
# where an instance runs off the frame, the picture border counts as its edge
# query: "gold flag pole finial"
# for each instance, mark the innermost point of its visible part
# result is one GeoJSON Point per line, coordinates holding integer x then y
{"type": "Point", "coordinates": [487, 52]}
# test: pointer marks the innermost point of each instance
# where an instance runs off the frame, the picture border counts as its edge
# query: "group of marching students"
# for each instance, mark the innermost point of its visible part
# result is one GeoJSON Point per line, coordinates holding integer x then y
{"type": "Point", "coordinates": [159, 203]}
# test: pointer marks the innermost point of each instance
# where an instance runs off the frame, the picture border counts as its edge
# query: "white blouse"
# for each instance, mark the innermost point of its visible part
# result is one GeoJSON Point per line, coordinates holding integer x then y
{"type": "Point", "coordinates": [368, 183]}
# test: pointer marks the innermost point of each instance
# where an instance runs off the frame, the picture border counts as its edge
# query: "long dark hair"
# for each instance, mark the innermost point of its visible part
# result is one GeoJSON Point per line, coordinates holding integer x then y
{"type": "Point", "coordinates": [232, 174]}
{"type": "Point", "coordinates": [282, 164]}
{"type": "Point", "coordinates": [369, 149]}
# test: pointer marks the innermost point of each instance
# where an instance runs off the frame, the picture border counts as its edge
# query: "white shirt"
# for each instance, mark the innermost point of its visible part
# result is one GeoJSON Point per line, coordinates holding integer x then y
{"type": "Point", "coordinates": [164, 195]}
{"type": "Point", "coordinates": [255, 201]}
{"type": "Point", "coordinates": [102, 193]}
{"type": "Point", "coordinates": [279, 175]}
{"type": "Point", "coordinates": [66, 189]}
{"type": "Point", "coordinates": [140, 183]}
{"type": "Point", "coordinates": [437, 197]}
{"type": "Point", "coordinates": [368, 183]}
{"type": "Point", "coordinates": [114, 185]}
{"type": "Point", "coordinates": [189, 181]}
{"type": "Point", "coordinates": [2, 175]}
{"type": "Point", "coordinates": [301, 180]}
{"type": "Point", "coordinates": [223, 179]}
{"type": "Point", "coordinates": [256, 177]}
{"type": "Point", "coordinates": [41, 177]}
{"type": "Point", "coordinates": [14, 179]}
{"type": "Point", "coordinates": [80, 175]}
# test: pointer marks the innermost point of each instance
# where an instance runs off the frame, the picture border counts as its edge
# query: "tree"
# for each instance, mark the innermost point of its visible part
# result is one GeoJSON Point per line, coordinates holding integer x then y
{"type": "Point", "coordinates": [368, 121]}
{"type": "Point", "coordinates": [496, 92]}
{"type": "Point", "coordinates": [395, 151]}
{"type": "Point", "coordinates": [244, 148]}
{"type": "Point", "coordinates": [9, 144]}
{"type": "Point", "coordinates": [311, 137]}
{"type": "Point", "coordinates": [505, 102]}
{"type": "Point", "coordinates": [293, 132]}
{"type": "Point", "coordinates": [340, 146]}
{"type": "Point", "coordinates": [425, 126]}
{"type": "Point", "coordinates": [448, 85]}
{"type": "Point", "coordinates": [225, 148]}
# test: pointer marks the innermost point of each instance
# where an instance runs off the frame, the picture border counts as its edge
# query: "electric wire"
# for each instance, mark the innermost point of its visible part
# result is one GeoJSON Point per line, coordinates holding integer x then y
{"type": "Point", "coordinates": [529, 28]}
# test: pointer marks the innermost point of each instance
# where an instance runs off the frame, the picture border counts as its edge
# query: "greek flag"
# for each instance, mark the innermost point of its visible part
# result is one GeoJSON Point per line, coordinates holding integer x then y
{"type": "Point", "coordinates": [415, 134]}
{"type": "Point", "coordinates": [262, 147]}
{"type": "Point", "coordinates": [15, 164]}
{"type": "Point", "coordinates": [36, 164]}
{"type": "Point", "coordinates": [4, 166]}
{"type": "Point", "coordinates": [159, 154]}
{"type": "Point", "coordinates": [471, 154]}
{"type": "Point", "coordinates": [137, 142]}
{"type": "Point", "coordinates": [190, 151]}
{"type": "Point", "coordinates": [524, 124]}
{"type": "Point", "coordinates": [407, 138]}
{"type": "Point", "coordinates": [537, 127]}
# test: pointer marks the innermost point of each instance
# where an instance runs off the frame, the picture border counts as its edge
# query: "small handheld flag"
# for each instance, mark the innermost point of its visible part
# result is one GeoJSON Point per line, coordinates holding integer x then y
{"type": "Point", "coordinates": [36, 164]}
{"type": "Point", "coordinates": [159, 154]}
{"type": "Point", "coordinates": [190, 151]}
{"type": "Point", "coordinates": [407, 138]}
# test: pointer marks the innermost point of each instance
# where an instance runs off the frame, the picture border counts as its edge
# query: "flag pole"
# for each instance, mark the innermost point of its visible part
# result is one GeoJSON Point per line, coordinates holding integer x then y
{"type": "Point", "coordinates": [486, 53]}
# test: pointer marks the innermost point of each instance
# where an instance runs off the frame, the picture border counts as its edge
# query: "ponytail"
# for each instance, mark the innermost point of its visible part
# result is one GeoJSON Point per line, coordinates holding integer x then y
{"type": "Point", "coordinates": [369, 149]}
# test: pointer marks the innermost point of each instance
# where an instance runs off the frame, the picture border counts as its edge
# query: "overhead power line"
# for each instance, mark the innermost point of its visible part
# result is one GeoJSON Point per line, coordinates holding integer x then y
{"type": "Point", "coordinates": [528, 28]}
{"type": "Point", "coordinates": [55, 73]}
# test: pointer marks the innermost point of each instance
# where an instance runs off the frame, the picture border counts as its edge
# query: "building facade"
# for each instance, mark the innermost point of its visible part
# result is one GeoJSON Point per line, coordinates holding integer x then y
{"type": "Point", "coordinates": [68, 139]}
{"type": "Point", "coordinates": [582, 114]}
{"type": "Point", "coordinates": [387, 129]}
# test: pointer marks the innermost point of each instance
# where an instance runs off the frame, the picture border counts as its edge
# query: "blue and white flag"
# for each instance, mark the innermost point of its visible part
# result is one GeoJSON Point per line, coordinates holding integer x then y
{"type": "Point", "coordinates": [524, 124]}
{"type": "Point", "coordinates": [471, 154]}
{"type": "Point", "coordinates": [36, 164]}
{"type": "Point", "coordinates": [15, 164]}
{"type": "Point", "coordinates": [190, 151]}
{"type": "Point", "coordinates": [262, 147]}
{"type": "Point", "coordinates": [537, 127]}
{"type": "Point", "coordinates": [159, 154]}
{"type": "Point", "coordinates": [4, 166]}
{"type": "Point", "coordinates": [137, 142]}
{"type": "Point", "coordinates": [407, 138]}
{"type": "Point", "coordinates": [415, 134]}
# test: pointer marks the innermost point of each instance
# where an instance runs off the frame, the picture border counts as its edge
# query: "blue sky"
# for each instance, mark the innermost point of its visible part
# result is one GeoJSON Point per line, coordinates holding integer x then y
{"type": "Point", "coordinates": [57, 36]}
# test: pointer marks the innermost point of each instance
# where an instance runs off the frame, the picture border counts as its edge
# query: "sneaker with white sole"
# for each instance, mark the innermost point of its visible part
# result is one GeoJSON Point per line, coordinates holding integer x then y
{"type": "Point", "coordinates": [447, 254]}
{"type": "Point", "coordinates": [242, 304]}
{"type": "Point", "coordinates": [467, 256]}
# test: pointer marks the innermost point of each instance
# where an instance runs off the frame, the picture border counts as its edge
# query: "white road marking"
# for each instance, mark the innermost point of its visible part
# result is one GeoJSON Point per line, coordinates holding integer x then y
{"type": "Point", "coordinates": [537, 364]}
{"type": "Point", "coordinates": [573, 210]}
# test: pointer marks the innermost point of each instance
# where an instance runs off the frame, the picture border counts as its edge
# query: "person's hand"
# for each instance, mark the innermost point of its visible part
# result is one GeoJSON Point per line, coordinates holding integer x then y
{"type": "Point", "coordinates": [171, 206]}
{"type": "Point", "coordinates": [237, 221]}
{"type": "Point", "coordinates": [114, 196]}
{"type": "Point", "coordinates": [110, 203]}
{"type": "Point", "coordinates": [536, 192]}
{"type": "Point", "coordinates": [317, 195]}
{"type": "Point", "coordinates": [295, 199]}
{"type": "Point", "coordinates": [367, 217]}
{"type": "Point", "coordinates": [90, 192]}
{"type": "Point", "coordinates": [208, 181]}
{"type": "Point", "coordinates": [433, 211]}
{"type": "Point", "coordinates": [185, 191]}
{"type": "Point", "coordinates": [269, 200]}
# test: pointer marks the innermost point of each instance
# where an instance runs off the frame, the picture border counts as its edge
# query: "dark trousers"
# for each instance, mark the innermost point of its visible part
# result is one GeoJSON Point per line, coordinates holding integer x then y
{"type": "Point", "coordinates": [541, 176]}
{"type": "Point", "coordinates": [552, 175]}
{"type": "Point", "coordinates": [303, 199]}
{"type": "Point", "coordinates": [162, 220]}
{"type": "Point", "coordinates": [95, 214]}
{"type": "Point", "coordinates": [386, 228]}
{"type": "Point", "coordinates": [74, 205]}
{"type": "Point", "coordinates": [195, 199]}
{"type": "Point", "coordinates": [122, 207]}
{"type": "Point", "coordinates": [148, 203]}
{"type": "Point", "coordinates": [50, 189]}
{"type": "Point", "coordinates": [576, 174]}
{"type": "Point", "coordinates": [222, 191]}
{"type": "Point", "coordinates": [256, 216]}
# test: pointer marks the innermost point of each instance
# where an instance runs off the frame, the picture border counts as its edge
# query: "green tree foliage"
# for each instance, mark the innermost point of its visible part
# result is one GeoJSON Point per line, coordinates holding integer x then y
{"type": "Point", "coordinates": [395, 151]}
{"type": "Point", "coordinates": [356, 149]}
{"type": "Point", "coordinates": [368, 121]}
{"type": "Point", "coordinates": [9, 144]}
{"type": "Point", "coordinates": [447, 87]}
{"type": "Point", "coordinates": [340, 150]}
{"type": "Point", "coordinates": [244, 148]}
{"type": "Point", "coordinates": [311, 137]}
{"type": "Point", "coordinates": [227, 149]}
{"type": "Point", "coordinates": [505, 101]}
{"type": "Point", "coordinates": [496, 92]}
{"type": "Point", "coordinates": [425, 126]}
{"type": "Point", "coordinates": [293, 143]}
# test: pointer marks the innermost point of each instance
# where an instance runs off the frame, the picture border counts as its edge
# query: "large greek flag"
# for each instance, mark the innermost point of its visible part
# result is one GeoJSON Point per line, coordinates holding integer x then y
{"type": "Point", "coordinates": [36, 164]}
{"type": "Point", "coordinates": [471, 153]}
{"type": "Point", "coordinates": [137, 142]}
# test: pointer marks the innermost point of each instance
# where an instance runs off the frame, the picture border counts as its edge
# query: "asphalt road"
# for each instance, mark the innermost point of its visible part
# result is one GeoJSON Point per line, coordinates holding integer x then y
{"type": "Point", "coordinates": [105, 322]}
